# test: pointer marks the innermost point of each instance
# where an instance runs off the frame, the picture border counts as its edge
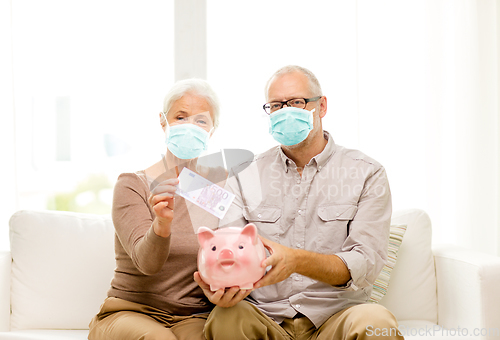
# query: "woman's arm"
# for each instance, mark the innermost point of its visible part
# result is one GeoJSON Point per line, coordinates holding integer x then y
{"type": "Point", "coordinates": [135, 224]}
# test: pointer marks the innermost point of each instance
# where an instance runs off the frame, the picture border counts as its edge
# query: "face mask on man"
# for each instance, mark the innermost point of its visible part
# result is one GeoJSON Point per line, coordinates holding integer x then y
{"type": "Point", "coordinates": [290, 125]}
{"type": "Point", "coordinates": [186, 140]}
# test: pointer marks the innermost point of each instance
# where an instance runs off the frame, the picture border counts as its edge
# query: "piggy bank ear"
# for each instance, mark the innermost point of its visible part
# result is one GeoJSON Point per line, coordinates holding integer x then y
{"type": "Point", "coordinates": [250, 230]}
{"type": "Point", "coordinates": [204, 235]}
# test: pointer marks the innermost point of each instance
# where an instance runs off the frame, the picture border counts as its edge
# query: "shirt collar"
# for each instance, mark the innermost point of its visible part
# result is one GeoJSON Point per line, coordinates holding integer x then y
{"type": "Point", "coordinates": [285, 161]}
{"type": "Point", "coordinates": [320, 159]}
{"type": "Point", "coordinates": [324, 156]}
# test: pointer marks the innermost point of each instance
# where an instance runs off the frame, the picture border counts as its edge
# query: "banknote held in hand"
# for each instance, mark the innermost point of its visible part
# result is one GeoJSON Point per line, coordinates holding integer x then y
{"type": "Point", "coordinates": [203, 193]}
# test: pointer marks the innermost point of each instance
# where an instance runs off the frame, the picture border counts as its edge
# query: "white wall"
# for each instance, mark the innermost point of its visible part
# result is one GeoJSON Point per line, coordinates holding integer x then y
{"type": "Point", "coordinates": [429, 110]}
{"type": "Point", "coordinates": [411, 83]}
{"type": "Point", "coordinates": [190, 50]}
{"type": "Point", "coordinates": [462, 93]}
{"type": "Point", "coordinates": [414, 84]}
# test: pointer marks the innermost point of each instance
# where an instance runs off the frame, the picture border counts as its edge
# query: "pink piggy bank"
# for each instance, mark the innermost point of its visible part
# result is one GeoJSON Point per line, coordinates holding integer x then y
{"type": "Point", "coordinates": [230, 257]}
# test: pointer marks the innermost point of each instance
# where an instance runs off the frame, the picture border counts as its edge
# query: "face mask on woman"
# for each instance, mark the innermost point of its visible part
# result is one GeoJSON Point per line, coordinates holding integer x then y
{"type": "Point", "coordinates": [290, 125]}
{"type": "Point", "coordinates": [186, 140]}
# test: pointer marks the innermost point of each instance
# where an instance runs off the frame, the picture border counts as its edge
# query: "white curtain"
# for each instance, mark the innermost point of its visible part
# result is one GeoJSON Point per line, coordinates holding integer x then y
{"type": "Point", "coordinates": [8, 193]}
{"type": "Point", "coordinates": [429, 110]}
{"type": "Point", "coordinates": [462, 100]}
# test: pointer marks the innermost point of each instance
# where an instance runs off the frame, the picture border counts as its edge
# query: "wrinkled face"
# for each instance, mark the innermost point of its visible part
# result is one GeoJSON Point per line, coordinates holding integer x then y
{"type": "Point", "coordinates": [289, 86]}
{"type": "Point", "coordinates": [296, 85]}
{"type": "Point", "coordinates": [192, 109]}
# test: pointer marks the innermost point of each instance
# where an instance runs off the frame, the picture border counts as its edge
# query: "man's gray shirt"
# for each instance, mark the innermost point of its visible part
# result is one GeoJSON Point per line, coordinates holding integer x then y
{"type": "Point", "coordinates": [340, 205]}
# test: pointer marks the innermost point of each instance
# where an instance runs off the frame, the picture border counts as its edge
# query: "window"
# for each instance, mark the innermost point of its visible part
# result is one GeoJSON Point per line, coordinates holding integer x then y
{"type": "Point", "coordinates": [89, 80]}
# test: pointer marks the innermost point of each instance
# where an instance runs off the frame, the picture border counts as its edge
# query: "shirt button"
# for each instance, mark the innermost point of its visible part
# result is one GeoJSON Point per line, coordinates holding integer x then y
{"type": "Point", "coordinates": [297, 278]}
{"type": "Point", "coordinates": [259, 216]}
{"type": "Point", "coordinates": [297, 306]}
{"type": "Point", "coordinates": [300, 212]}
{"type": "Point", "coordinates": [319, 168]}
{"type": "Point", "coordinates": [298, 181]}
{"type": "Point", "coordinates": [337, 214]}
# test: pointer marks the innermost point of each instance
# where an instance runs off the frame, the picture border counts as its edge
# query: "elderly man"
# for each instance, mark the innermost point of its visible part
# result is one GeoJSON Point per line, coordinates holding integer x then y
{"type": "Point", "coordinates": [323, 212]}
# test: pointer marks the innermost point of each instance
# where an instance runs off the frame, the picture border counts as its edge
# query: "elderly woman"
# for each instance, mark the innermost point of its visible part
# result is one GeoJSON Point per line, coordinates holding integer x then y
{"type": "Point", "coordinates": [153, 294]}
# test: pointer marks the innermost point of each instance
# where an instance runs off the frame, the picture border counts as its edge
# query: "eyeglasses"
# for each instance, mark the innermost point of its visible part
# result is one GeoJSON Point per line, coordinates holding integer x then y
{"type": "Point", "coordinates": [296, 102]}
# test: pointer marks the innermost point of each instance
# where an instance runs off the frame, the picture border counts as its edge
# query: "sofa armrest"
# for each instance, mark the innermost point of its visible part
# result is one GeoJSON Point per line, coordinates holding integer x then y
{"type": "Point", "coordinates": [5, 266]}
{"type": "Point", "coordinates": [467, 287]}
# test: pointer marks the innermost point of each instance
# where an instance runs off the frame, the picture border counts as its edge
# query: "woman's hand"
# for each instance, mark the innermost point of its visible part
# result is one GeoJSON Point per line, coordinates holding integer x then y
{"type": "Point", "coordinates": [162, 201]}
{"type": "Point", "coordinates": [222, 298]}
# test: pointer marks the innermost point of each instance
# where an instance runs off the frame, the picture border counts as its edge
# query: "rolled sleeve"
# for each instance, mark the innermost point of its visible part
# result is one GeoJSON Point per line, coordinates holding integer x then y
{"type": "Point", "coordinates": [356, 265]}
{"type": "Point", "coordinates": [365, 249]}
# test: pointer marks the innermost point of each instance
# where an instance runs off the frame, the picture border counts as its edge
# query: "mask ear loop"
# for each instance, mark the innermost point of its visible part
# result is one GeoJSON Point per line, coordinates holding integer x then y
{"type": "Point", "coordinates": [167, 126]}
{"type": "Point", "coordinates": [311, 118]}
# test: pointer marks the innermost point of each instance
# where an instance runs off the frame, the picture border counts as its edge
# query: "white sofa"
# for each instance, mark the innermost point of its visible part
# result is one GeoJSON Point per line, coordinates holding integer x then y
{"type": "Point", "coordinates": [60, 266]}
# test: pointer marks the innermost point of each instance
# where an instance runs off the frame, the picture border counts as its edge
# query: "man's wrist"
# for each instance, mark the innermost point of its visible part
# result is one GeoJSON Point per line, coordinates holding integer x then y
{"type": "Point", "coordinates": [326, 268]}
{"type": "Point", "coordinates": [299, 259]}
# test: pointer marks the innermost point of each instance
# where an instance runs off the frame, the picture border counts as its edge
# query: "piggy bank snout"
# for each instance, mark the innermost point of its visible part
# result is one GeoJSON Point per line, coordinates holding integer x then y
{"type": "Point", "coordinates": [226, 254]}
{"type": "Point", "coordinates": [230, 256]}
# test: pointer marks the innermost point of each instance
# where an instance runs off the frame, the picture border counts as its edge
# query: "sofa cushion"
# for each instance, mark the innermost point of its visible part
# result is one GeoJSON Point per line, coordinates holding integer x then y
{"type": "Point", "coordinates": [44, 334]}
{"type": "Point", "coordinates": [382, 282]}
{"type": "Point", "coordinates": [413, 279]}
{"type": "Point", "coordinates": [62, 265]}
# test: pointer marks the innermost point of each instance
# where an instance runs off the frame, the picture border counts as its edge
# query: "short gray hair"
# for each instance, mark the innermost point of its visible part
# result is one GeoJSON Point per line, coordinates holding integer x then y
{"type": "Point", "coordinates": [198, 87]}
{"type": "Point", "coordinates": [314, 85]}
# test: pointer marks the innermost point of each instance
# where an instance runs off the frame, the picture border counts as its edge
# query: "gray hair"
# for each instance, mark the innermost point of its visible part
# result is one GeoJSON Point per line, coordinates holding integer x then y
{"type": "Point", "coordinates": [314, 85]}
{"type": "Point", "coordinates": [198, 87]}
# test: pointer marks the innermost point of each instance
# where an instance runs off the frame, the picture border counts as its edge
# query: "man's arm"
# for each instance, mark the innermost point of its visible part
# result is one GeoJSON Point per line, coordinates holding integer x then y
{"type": "Point", "coordinates": [364, 251]}
{"type": "Point", "coordinates": [286, 261]}
{"type": "Point", "coordinates": [367, 242]}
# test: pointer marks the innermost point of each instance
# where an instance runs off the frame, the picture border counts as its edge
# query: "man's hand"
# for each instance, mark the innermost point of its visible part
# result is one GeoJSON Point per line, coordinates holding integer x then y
{"type": "Point", "coordinates": [222, 298]}
{"type": "Point", "coordinates": [286, 261]}
{"type": "Point", "coordinates": [282, 260]}
{"type": "Point", "coordinates": [162, 201]}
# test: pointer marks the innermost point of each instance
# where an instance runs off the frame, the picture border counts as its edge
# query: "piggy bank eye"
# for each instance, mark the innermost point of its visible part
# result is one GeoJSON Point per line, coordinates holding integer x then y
{"type": "Point", "coordinates": [241, 246]}
{"type": "Point", "coordinates": [214, 248]}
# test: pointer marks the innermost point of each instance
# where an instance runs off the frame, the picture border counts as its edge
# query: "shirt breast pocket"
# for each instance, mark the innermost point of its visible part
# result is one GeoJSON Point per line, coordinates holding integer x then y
{"type": "Point", "coordinates": [333, 226]}
{"type": "Point", "coordinates": [266, 218]}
